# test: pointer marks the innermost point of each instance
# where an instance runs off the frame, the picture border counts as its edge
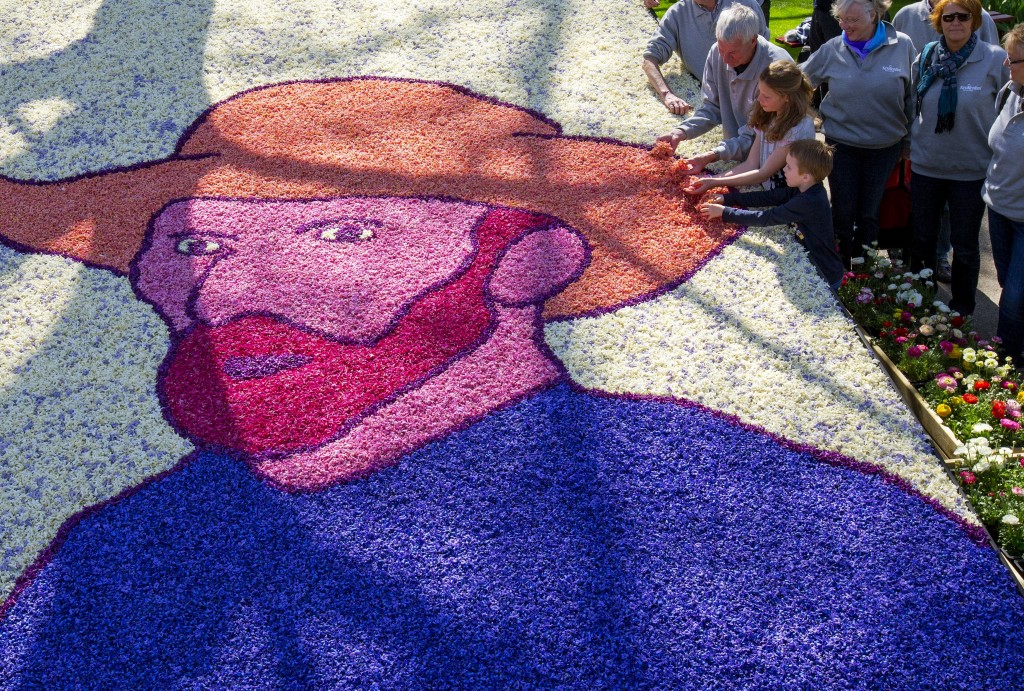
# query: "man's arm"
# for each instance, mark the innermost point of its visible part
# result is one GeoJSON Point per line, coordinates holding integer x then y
{"type": "Point", "coordinates": [659, 50]}
{"type": "Point", "coordinates": [675, 105]}
{"type": "Point", "coordinates": [705, 118]}
{"type": "Point", "coordinates": [737, 148]}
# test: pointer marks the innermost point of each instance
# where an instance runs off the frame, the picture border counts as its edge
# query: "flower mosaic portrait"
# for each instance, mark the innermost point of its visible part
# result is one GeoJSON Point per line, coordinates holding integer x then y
{"type": "Point", "coordinates": [437, 390]}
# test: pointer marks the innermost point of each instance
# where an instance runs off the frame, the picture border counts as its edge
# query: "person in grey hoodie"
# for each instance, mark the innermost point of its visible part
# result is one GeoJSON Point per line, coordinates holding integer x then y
{"type": "Point", "coordinates": [733, 65]}
{"type": "Point", "coordinates": [688, 28]}
{"type": "Point", "coordinates": [956, 80]}
{"type": "Point", "coordinates": [866, 114]}
{"type": "Point", "coordinates": [1004, 194]}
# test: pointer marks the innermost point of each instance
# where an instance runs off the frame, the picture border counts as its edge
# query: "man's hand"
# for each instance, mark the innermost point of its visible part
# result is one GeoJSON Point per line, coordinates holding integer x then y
{"type": "Point", "coordinates": [716, 199]}
{"type": "Point", "coordinates": [712, 210]}
{"type": "Point", "coordinates": [651, 4]}
{"type": "Point", "coordinates": [672, 138]}
{"type": "Point", "coordinates": [676, 105]}
{"type": "Point", "coordinates": [697, 163]}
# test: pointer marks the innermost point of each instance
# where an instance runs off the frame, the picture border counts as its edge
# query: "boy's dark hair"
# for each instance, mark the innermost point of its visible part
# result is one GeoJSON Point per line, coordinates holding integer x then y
{"type": "Point", "coordinates": [812, 157]}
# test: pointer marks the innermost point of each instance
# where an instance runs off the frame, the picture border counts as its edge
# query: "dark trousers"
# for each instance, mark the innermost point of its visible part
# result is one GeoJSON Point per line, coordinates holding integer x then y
{"type": "Point", "coordinates": [928, 196]}
{"type": "Point", "coordinates": [857, 183]}
{"type": "Point", "coordinates": [823, 27]}
{"type": "Point", "coordinates": [1008, 252]}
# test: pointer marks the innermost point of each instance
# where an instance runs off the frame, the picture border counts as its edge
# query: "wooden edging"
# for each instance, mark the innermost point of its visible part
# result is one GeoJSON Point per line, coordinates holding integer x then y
{"type": "Point", "coordinates": [942, 438]}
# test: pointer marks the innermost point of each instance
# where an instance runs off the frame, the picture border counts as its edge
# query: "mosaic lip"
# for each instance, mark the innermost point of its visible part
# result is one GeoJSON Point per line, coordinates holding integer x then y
{"type": "Point", "coordinates": [259, 366]}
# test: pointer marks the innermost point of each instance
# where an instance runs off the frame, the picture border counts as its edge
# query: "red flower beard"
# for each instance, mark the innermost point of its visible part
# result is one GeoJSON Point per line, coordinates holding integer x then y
{"type": "Point", "coordinates": [265, 387]}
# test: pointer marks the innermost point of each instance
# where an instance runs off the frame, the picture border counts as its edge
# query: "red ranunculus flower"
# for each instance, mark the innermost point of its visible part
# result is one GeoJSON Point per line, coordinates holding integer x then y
{"type": "Point", "coordinates": [970, 398]}
{"type": "Point", "coordinates": [998, 409]}
{"type": "Point", "coordinates": [887, 324]}
{"type": "Point", "coordinates": [956, 322]}
{"type": "Point", "coordinates": [981, 385]}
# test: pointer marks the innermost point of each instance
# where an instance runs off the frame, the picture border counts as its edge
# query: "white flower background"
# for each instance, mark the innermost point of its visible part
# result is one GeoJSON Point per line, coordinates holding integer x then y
{"type": "Point", "coordinates": [86, 85]}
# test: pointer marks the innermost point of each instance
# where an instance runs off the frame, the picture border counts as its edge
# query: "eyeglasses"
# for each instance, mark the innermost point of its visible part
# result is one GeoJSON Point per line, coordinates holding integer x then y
{"type": "Point", "coordinates": [1013, 62]}
{"type": "Point", "coordinates": [845, 21]}
{"type": "Point", "coordinates": [961, 17]}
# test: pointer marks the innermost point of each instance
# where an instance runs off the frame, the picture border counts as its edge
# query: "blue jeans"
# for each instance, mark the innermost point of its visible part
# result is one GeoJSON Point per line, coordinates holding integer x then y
{"type": "Point", "coordinates": [1008, 252]}
{"type": "Point", "coordinates": [928, 196]}
{"type": "Point", "coordinates": [857, 183]}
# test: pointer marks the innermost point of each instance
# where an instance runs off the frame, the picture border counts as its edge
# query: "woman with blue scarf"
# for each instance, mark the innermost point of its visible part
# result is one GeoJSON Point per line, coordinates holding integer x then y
{"type": "Point", "coordinates": [866, 115]}
{"type": "Point", "coordinates": [956, 80]}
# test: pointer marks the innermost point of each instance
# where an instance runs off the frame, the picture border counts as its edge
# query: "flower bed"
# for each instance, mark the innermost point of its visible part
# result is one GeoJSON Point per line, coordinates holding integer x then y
{"type": "Point", "coordinates": [966, 395]}
{"type": "Point", "coordinates": [352, 347]}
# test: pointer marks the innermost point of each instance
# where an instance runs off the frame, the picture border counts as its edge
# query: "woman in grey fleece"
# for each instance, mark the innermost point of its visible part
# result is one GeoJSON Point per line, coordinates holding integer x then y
{"type": "Point", "coordinates": [866, 114]}
{"type": "Point", "coordinates": [956, 80]}
{"type": "Point", "coordinates": [1004, 195]}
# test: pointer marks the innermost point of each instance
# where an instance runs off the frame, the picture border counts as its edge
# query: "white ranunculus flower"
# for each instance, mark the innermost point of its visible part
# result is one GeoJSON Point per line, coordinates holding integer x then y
{"type": "Point", "coordinates": [1010, 519]}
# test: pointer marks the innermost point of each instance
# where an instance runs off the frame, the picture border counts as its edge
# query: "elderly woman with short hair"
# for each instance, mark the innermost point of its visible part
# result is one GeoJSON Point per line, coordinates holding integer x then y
{"type": "Point", "coordinates": [956, 80]}
{"type": "Point", "coordinates": [1004, 194]}
{"type": "Point", "coordinates": [866, 115]}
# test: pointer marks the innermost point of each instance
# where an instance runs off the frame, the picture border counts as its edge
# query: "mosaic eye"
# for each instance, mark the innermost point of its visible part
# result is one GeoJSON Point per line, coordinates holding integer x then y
{"type": "Point", "coordinates": [195, 247]}
{"type": "Point", "coordinates": [348, 230]}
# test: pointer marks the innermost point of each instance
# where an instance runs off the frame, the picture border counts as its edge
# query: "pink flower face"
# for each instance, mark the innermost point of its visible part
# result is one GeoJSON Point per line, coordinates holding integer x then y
{"type": "Point", "coordinates": [344, 268]}
{"type": "Point", "coordinates": [293, 320]}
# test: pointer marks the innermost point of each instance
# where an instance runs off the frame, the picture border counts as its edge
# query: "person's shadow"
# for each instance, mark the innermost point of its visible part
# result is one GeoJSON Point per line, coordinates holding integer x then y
{"type": "Point", "coordinates": [137, 52]}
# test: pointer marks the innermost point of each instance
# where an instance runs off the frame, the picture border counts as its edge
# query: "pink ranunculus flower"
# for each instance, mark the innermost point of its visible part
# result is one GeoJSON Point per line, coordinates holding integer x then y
{"type": "Point", "coordinates": [1011, 425]}
{"type": "Point", "coordinates": [968, 477]}
{"type": "Point", "coordinates": [946, 346]}
{"type": "Point", "coordinates": [916, 351]}
{"type": "Point", "coordinates": [1019, 491]}
{"type": "Point", "coordinates": [902, 339]}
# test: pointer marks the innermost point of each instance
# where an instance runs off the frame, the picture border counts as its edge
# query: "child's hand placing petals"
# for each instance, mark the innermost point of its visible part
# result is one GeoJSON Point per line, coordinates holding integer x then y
{"type": "Point", "coordinates": [712, 210]}
{"type": "Point", "coordinates": [701, 186]}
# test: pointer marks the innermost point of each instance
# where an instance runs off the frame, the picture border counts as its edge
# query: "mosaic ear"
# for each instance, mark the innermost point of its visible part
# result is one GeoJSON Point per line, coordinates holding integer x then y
{"type": "Point", "coordinates": [538, 266]}
{"type": "Point", "coordinates": [99, 219]}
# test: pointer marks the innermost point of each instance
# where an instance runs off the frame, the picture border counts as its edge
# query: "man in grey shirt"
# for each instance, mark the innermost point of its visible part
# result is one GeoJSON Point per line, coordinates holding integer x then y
{"type": "Point", "coordinates": [688, 28]}
{"type": "Point", "coordinates": [731, 74]}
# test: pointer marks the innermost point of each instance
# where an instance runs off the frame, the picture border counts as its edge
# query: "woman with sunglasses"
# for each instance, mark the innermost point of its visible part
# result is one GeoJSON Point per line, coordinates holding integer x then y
{"type": "Point", "coordinates": [1004, 195]}
{"type": "Point", "coordinates": [866, 114]}
{"type": "Point", "coordinates": [956, 80]}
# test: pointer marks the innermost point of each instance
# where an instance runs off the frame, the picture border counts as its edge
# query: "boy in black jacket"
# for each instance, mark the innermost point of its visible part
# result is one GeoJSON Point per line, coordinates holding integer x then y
{"type": "Point", "coordinates": [804, 203]}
